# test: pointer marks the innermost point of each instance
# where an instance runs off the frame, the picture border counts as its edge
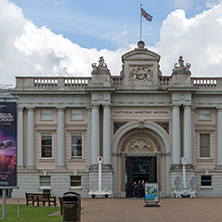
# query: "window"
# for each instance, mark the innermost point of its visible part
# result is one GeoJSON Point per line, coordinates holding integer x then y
{"type": "Point", "coordinates": [206, 181]}
{"type": "Point", "coordinates": [204, 145]}
{"type": "Point", "coordinates": [45, 181]}
{"type": "Point", "coordinates": [204, 115]}
{"type": "Point", "coordinates": [75, 181]}
{"type": "Point", "coordinates": [46, 114]}
{"type": "Point", "coordinates": [46, 145]}
{"type": "Point", "coordinates": [76, 145]}
{"type": "Point", "coordinates": [76, 114]}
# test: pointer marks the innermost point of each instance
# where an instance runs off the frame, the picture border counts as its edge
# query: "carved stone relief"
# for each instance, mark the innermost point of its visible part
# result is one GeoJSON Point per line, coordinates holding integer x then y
{"type": "Point", "coordinates": [141, 145]}
{"type": "Point", "coordinates": [117, 125]}
{"type": "Point", "coordinates": [141, 73]}
{"type": "Point", "coordinates": [164, 125]}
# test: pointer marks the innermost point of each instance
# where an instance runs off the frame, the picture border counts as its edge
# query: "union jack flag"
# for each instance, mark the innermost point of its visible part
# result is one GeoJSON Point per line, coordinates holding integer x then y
{"type": "Point", "coordinates": [146, 15]}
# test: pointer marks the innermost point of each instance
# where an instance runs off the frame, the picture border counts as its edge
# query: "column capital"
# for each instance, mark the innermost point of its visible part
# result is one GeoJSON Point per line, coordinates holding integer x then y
{"type": "Point", "coordinates": [107, 106]}
{"type": "Point", "coordinates": [20, 108]}
{"type": "Point", "coordinates": [60, 108]}
{"type": "Point", "coordinates": [30, 108]}
{"type": "Point", "coordinates": [219, 108]}
{"type": "Point", "coordinates": [187, 106]}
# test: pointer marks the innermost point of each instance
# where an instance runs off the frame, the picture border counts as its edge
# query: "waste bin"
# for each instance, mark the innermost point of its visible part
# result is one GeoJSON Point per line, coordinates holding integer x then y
{"type": "Point", "coordinates": [71, 207]}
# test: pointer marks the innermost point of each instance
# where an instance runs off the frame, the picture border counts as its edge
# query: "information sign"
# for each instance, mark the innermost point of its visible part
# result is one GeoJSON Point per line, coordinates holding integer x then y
{"type": "Point", "coordinates": [8, 129]}
{"type": "Point", "coordinates": [151, 192]}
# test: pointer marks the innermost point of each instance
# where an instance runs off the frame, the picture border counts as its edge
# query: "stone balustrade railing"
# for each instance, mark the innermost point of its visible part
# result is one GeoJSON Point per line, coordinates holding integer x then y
{"type": "Point", "coordinates": [165, 80]}
{"type": "Point", "coordinates": [81, 83]}
{"type": "Point", "coordinates": [205, 82]}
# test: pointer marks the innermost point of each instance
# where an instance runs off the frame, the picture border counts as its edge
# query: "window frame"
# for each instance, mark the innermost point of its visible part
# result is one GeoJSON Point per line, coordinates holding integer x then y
{"type": "Point", "coordinates": [71, 145]}
{"type": "Point", "coordinates": [42, 186]}
{"type": "Point", "coordinates": [78, 186]}
{"type": "Point", "coordinates": [210, 145]}
{"type": "Point", "coordinates": [202, 180]}
{"type": "Point", "coordinates": [203, 117]}
{"type": "Point", "coordinates": [72, 115]}
{"type": "Point", "coordinates": [42, 118]}
{"type": "Point", "coordinates": [41, 146]}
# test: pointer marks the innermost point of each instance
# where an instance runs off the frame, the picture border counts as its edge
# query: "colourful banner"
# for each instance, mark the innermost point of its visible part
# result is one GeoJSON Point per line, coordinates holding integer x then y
{"type": "Point", "coordinates": [151, 192]}
{"type": "Point", "coordinates": [8, 151]}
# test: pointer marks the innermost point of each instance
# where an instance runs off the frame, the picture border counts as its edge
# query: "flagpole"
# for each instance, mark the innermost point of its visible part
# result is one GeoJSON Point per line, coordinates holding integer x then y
{"type": "Point", "coordinates": [140, 22]}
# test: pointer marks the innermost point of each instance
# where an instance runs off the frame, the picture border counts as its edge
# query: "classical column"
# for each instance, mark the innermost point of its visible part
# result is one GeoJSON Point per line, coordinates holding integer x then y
{"type": "Point", "coordinates": [89, 136]}
{"type": "Point", "coordinates": [107, 135]}
{"type": "Point", "coordinates": [176, 135]}
{"type": "Point", "coordinates": [61, 138]}
{"type": "Point", "coordinates": [95, 135]}
{"type": "Point", "coordinates": [219, 136]}
{"type": "Point", "coordinates": [20, 137]}
{"type": "Point", "coordinates": [187, 135]}
{"type": "Point", "coordinates": [31, 137]}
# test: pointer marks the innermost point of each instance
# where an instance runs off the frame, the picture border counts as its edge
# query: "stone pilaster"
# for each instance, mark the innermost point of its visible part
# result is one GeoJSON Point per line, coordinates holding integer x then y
{"type": "Point", "coordinates": [31, 137]}
{"type": "Point", "coordinates": [20, 136]}
{"type": "Point", "coordinates": [107, 135]}
{"type": "Point", "coordinates": [61, 138]}
{"type": "Point", "coordinates": [176, 135]}
{"type": "Point", "coordinates": [187, 135]}
{"type": "Point", "coordinates": [95, 135]}
{"type": "Point", "coordinates": [219, 137]}
{"type": "Point", "coordinates": [89, 136]}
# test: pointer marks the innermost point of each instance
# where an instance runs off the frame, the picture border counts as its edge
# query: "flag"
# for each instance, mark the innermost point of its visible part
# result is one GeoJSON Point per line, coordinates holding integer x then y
{"type": "Point", "coordinates": [146, 15]}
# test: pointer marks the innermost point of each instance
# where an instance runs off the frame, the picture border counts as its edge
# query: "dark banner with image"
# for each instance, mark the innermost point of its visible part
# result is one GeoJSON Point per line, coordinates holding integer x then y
{"type": "Point", "coordinates": [8, 126]}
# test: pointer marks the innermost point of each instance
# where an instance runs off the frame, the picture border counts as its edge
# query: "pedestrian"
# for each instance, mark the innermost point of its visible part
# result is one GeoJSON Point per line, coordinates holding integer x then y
{"type": "Point", "coordinates": [134, 189]}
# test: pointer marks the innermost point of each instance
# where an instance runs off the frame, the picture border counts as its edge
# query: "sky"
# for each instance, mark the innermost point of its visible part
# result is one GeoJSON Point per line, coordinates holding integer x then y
{"type": "Point", "coordinates": [64, 37]}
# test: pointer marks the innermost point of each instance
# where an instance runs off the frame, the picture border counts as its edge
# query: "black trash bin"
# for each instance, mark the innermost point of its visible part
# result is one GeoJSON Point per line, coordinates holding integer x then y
{"type": "Point", "coordinates": [71, 207]}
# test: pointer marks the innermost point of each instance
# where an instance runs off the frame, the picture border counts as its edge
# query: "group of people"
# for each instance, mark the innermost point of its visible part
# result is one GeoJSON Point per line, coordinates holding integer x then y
{"type": "Point", "coordinates": [139, 188]}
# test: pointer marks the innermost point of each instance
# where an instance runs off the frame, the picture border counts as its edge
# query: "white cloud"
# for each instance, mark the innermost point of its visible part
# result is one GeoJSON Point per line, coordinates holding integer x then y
{"type": "Point", "coordinates": [27, 50]}
{"type": "Point", "coordinates": [198, 39]}
{"type": "Point", "coordinates": [212, 3]}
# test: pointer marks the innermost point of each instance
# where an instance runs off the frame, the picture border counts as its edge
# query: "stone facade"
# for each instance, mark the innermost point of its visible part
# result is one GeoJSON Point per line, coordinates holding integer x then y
{"type": "Point", "coordinates": [140, 113]}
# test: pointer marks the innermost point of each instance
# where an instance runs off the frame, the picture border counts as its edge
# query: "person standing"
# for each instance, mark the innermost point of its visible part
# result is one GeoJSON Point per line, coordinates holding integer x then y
{"type": "Point", "coordinates": [139, 187]}
{"type": "Point", "coordinates": [134, 189]}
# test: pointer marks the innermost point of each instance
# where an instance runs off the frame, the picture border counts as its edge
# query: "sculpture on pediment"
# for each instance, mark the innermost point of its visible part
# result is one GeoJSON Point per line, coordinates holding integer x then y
{"type": "Point", "coordinates": [141, 73]}
{"type": "Point", "coordinates": [101, 68]}
{"type": "Point", "coordinates": [141, 145]}
{"type": "Point", "coordinates": [180, 68]}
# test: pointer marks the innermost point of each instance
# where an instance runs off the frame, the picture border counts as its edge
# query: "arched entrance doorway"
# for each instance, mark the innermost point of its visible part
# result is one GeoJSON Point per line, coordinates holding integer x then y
{"type": "Point", "coordinates": [148, 149]}
{"type": "Point", "coordinates": [139, 169]}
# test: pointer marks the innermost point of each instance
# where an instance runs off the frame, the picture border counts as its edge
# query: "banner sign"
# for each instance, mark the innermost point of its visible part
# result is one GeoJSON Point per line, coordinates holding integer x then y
{"type": "Point", "coordinates": [8, 129]}
{"type": "Point", "coordinates": [151, 192]}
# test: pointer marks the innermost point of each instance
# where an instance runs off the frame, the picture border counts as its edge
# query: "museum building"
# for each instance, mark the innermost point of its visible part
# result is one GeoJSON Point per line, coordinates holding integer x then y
{"type": "Point", "coordinates": [141, 122]}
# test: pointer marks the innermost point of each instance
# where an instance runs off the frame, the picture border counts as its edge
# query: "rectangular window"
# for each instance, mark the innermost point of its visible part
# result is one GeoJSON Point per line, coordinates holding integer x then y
{"type": "Point", "coordinates": [204, 145]}
{"type": "Point", "coordinates": [45, 181]}
{"type": "Point", "coordinates": [46, 114]}
{"type": "Point", "coordinates": [206, 181]}
{"type": "Point", "coordinates": [46, 145]}
{"type": "Point", "coordinates": [76, 114]}
{"type": "Point", "coordinates": [204, 115]}
{"type": "Point", "coordinates": [76, 145]}
{"type": "Point", "coordinates": [75, 181]}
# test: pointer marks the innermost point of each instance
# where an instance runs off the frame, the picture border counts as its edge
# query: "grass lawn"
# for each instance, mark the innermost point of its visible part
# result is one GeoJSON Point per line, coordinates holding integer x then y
{"type": "Point", "coordinates": [30, 214]}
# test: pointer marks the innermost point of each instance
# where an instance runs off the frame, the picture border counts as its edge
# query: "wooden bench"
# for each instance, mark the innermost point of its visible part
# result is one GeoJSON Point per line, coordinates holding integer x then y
{"type": "Point", "coordinates": [61, 205]}
{"type": "Point", "coordinates": [39, 199]}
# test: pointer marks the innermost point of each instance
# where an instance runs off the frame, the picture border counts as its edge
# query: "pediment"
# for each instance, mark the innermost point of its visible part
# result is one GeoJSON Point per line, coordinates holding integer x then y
{"type": "Point", "coordinates": [140, 68]}
{"type": "Point", "coordinates": [141, 54]}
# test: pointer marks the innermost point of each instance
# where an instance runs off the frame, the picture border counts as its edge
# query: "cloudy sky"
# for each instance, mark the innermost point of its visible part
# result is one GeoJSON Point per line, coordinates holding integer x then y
{"type": "Point", "coordinates": [64, 37]}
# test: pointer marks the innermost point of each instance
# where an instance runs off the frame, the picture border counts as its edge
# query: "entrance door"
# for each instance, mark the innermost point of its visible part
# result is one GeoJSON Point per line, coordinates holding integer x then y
{"type": "Point", "coordinates": [139, 168]}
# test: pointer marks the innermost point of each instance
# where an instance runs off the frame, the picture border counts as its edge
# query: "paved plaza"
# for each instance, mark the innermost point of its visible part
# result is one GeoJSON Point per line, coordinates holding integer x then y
{"type": "Point", "coordinates": [133, 210]}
